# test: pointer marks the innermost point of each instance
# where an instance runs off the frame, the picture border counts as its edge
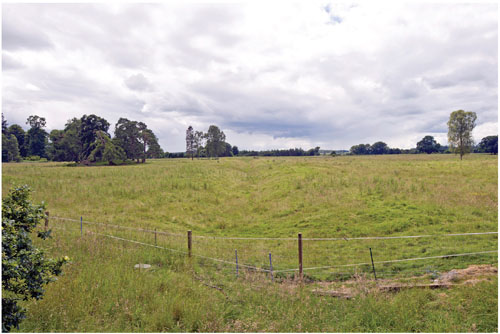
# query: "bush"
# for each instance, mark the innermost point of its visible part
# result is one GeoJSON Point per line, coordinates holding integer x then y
{"type": "Point", "coordinates": [25, 270]}
{"type": "Point", "coordinates": [33, 158]}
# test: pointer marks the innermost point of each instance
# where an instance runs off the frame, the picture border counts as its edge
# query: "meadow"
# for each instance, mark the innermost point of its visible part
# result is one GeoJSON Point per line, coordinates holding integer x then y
{"type": "Point", "coordinates": [320, 197]}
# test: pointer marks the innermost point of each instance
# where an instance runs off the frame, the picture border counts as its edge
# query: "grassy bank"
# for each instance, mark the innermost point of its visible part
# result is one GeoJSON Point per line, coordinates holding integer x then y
{"type": "Point", "coordinates": [100, 291]}
{"type": "Point", "coordinates": [265, 197]}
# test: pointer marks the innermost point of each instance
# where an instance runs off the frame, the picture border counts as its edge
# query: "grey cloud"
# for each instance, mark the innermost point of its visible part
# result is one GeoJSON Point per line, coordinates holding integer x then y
{"type": "Point", "coordinates": [10, 63]}
{"type": "Point", "coordinates": [138, 82]}
{"type": "Point", "coordinates": [19, 33]}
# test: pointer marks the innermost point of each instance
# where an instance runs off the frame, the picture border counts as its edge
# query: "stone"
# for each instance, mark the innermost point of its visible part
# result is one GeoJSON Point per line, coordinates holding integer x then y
{"type": "Point", "coordinates": [142, 266]}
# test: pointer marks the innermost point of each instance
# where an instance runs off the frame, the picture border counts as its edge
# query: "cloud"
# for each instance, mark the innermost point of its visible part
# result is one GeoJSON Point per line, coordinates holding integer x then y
{"type": "Point", "coordinates": [138, 82]}
{"type": "Point", "coordinates": [269, 75]}
{"type": "Point", "coordinates": [21, 33]}
{"type": "Point", "coordinates": [9, 63]}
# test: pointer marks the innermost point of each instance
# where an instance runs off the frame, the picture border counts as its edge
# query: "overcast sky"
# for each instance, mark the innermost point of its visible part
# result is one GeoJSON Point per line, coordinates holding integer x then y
{"type": "Point", "coordinates": [269, 75]}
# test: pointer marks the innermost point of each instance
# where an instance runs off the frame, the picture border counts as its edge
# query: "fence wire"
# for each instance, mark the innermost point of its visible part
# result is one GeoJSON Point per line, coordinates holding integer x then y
{"type": "Point", "coordinates": [286, 256]}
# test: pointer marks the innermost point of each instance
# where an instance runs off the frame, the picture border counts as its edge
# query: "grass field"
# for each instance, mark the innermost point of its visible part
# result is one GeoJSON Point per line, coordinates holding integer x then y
{"type": "Point", "coordinates": [265, 197]}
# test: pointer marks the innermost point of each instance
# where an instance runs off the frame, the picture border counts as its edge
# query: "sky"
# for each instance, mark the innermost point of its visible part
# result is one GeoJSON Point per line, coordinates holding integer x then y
{"type": "Point", "coordinates": [269, 74]}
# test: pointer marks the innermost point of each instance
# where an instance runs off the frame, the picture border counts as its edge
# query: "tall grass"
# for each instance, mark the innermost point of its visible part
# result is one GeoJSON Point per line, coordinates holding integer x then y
{"type": "Point", "coordinates": [264, 197]}
{"type": "Point", "coordinates": [101, 291]}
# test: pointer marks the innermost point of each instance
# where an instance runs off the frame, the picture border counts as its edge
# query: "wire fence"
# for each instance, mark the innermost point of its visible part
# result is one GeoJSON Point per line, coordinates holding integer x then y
{"type": "Point", "coordinates": [287, 255]}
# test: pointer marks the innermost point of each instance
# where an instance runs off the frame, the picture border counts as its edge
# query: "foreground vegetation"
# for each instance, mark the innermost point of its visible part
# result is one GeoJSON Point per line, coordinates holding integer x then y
{"type": "Point", "coordinates": [265, 197]}
{"type": "Point", "coordinates": [100, 291]}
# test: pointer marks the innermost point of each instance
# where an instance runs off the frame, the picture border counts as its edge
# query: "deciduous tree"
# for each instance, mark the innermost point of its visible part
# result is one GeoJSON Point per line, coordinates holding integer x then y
{"type": "Point", "coordinates": [89, 126]}
{"type": "Point", "coordinates": [379, 148]}
{"type": "Point", "coordinates": [10, 149]}
{"type": "Point", "coordinates": [428, 145]}
{"type": "Point", "coordinates": [489, 144]}
{"type": "Point", "coordinates": [36, 137]}
{"type": "Point", "coordinates": [20, 134]}
{"type": "Point", "coordinates": [215, 141]}
{"type": "Point", "coordinates": [103, 149]}
{"type": "Point", "coordinates": [460, 126]}
{"type": "Point", "coordinates": [190, 142]}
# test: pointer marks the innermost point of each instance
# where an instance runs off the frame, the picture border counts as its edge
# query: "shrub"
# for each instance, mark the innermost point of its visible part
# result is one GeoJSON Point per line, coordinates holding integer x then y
{"type": "Point", "coordinates": [25, 269]}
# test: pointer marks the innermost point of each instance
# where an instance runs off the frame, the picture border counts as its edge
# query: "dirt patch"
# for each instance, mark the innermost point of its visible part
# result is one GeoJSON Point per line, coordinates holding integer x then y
{"type": "Point", "coordinates": [360, 285]}
{"type": "Point", "coordinates": [471, 275]}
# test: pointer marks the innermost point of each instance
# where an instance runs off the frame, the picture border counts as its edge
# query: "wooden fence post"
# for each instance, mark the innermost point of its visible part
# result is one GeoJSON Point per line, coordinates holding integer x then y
{"type": "Point", "coordinates": [373, 265]}
{"type": "Point", "coordinates": [189, 243]}
{"type": "Point", "coordinates": [301, 275]}
{"type": "Point", "coordinates": [236, 255]}
{"type": "Point", "coordinates": [46, 221]}
{"type": "Point", "coordinates": [155, 238]}
{"type": "Point", "coordinates": [271, 267]}
{"type": "Point", "coordinates": [81, 226]}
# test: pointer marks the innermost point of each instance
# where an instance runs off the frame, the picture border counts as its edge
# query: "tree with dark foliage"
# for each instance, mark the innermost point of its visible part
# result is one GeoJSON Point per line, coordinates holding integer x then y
{"type": "Point", "coordinates": [36, 137]}
{"type": "Point", "coordinates": [428, 145]}
{"type": "Point", "coordinates": [89, 126]}
{"type": "Point", "coordinates": [489, 144]}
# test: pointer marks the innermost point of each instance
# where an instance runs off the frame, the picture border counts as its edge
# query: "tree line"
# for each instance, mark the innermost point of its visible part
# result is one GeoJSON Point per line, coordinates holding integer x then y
{"type": "Point", "coordinates": [84, 140]}
{"type": "Point", "coordinates": [212, 144]}
{"type": "Point", "coordinates": [460, 126]}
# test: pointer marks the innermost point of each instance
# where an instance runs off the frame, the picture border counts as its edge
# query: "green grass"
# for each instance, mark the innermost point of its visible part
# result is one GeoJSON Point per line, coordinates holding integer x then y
{"type": "Point", "coordinates": [100, 291]}
{"type": "Point", "coordinates": [265, 197]}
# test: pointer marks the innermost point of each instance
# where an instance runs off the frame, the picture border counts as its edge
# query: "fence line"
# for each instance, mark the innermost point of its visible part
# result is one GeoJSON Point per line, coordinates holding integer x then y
{"type": "Point", "coordinates": [285, 238]}
{"type": "Point", "coordinates": [120, 226]}
{"type": "Point", "coordinates": [172, 250]}
{"type": "Point", "coordinates": [287, 270]}
{"type": "Point", "coordinates": [390, 261]}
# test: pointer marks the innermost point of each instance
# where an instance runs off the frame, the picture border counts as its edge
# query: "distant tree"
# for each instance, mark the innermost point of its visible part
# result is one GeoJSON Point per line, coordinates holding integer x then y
{"type": "Point", "coordinates": [235, 150]}
{"type": "Point", "coordinates": [427, 145]}
{"type": "Point", "coordinates": [4, 124]}
{"type": "Point", "coordinates": [227, 150]}
{"type": "Point", "coordinates": [25, 268]}
{"type": "Point", "coordinates": [190, 142]}
{"type": "Point", "coordinates": [154, 150]}
{"type": "Point", "coordinates": [89, 126]}
{"type": "Point", "coordinates": [199, 142]}
{"type": "Point", "coordinates": [394, 151]}
{"type": "Point", "coordinates": [10, 149]}
{"type": "Point", "coordinates": [20, 134]}
{"type": "Point", "coordinates": [65, 145]}
{"type": "Point", "coordinates": [148, 141]}
{"type": "Point", "coordinates": [460, 126]}
{"type": "Point", "coordinates": [360, 149]}
{"type": "Point", "coordinates": [215, 141]}
{"type": "Point", "coordinates": [379, 148]}
{"type": "Point", "coordinates": [103, 149]}
{"type": "Point", "coordinates": [36, 137]}
{"type": "Point", "coordinates": [71, 141]}
{"type": "Point", "coordinates": [127, 135]}
{"type": "Point", "coordinates": [313, 151]}
{"type": "Point", "coordinates": [489, 144]}
{"type": "Point", "coordinates": [5, 151]}
{"type": "Point", "coordinates": [136, 140]}
{"type": "Point", "coordinates": [55, 152]}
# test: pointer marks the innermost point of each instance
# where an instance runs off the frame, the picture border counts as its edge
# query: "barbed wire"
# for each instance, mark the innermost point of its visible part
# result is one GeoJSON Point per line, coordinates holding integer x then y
{"type": "Point", "coordinates": [390, 261]}
{"type": "Point", "coordinates": [284, 238]}
{"type": "Point", "coordinates": [293, 269]}
{"type": "Point", "coordinates": [173, 250]}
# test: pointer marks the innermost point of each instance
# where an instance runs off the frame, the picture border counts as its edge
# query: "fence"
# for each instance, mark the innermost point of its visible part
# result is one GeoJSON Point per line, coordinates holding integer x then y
{"type": "Point", "coordinates": [285, 255]}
